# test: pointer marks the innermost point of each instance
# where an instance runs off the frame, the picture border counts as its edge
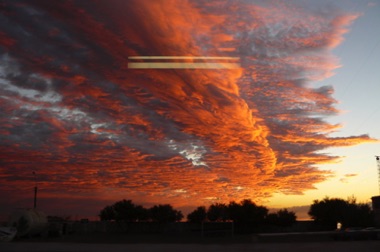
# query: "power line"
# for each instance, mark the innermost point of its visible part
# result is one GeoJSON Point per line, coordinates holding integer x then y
{"type": "Point", "coordinates": [376, 110]}
{"type": "Point", "coordinates": [359, 69]}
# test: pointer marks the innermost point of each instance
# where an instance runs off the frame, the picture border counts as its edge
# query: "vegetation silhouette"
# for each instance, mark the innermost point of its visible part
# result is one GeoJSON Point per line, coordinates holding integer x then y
{"type": "Point", "coordinates": [199, 215]}
{"type": "Point", "coordinates": [164, 214]}
{"type": "Point", "coordinates": [126, 210]}
{"type": "Point", "coordinates": [282, 218]}
{"type": "Point", "coordinates": [247, 216]}
{"type": "Point", "coordinates": [329, 211]}
{"type": "Point", "coordinates": [218, 212]}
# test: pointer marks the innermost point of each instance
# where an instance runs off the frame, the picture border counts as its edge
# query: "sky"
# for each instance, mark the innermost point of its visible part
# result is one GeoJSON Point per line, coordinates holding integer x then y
{"type": "Point", "coordinates": [295, 119]}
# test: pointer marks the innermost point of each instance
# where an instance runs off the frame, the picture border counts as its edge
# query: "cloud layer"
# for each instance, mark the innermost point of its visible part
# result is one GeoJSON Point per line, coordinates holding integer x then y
{"type": "Point", "coordinates": [72, 111]}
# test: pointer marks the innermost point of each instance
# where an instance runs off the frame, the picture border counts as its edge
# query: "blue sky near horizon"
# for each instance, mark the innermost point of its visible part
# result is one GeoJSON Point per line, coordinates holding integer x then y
{"type": "Point", "coordinates": [357, 89]}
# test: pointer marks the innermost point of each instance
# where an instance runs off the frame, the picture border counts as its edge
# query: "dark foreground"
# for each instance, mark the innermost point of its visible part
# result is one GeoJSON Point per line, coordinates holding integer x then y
{"type": "Point", "coordinates": [94, 247]}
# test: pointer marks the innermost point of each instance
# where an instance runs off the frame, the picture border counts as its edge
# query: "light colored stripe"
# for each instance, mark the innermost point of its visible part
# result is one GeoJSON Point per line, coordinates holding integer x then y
{"type": "Point", "coordinates": [182, 65]}
{"type": "Point", "coordinates": [183, 57]}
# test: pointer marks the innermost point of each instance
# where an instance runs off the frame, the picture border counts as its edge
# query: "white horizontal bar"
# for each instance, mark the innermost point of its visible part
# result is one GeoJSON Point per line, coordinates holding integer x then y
{"type": "Point", "coordinates": [182, 65]}
{"type": "Point", "coordinates": [183, 57]}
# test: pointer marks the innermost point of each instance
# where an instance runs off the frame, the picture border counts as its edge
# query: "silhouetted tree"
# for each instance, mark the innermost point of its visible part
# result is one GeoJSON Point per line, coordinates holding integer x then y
{"type": "Point", "coordinates": [198, 215]}
{"type": "Point", "coordinates": [328, 212]}
{"type": "Point", "coordinates": [286, 218]}
{"type": "Point", "coordinates": [283, 218]}
{"type": "Point", "coordinates": [217, 212]}
{"type": "Point", "coordinates": [248, 216]}
{"type": "Point", "coordinates": [107, 213]}
{"type": "Point", "coordinates": [165, 213]}
{"type": "Point", "coordinates": [124, 210]}
{"type": "Point", "coordinates": [247, 211]}
{"type": "Point", "coordinates": [234, 211]}
{"type": "Point", "coordinates": [272, 218]}
{"type": "Point", "coordinates": [142, 213]}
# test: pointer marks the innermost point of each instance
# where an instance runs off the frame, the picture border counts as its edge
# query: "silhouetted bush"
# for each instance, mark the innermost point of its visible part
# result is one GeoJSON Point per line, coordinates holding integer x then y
{"type": "Point", "coordinates": [164, 214]}
{"type": "Point", "coordinates": [328, 212]}
{"type": "Point", "coordinates": [125, 210]}
{"type": "Point", "coordinates": [199, 215]}
{"type": "Point", "coordinates": [282, 218]}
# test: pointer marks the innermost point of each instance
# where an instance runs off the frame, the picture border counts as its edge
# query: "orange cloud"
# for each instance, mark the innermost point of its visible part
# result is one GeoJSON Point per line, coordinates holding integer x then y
{"type": "Point", "coordinates": [91, 127]}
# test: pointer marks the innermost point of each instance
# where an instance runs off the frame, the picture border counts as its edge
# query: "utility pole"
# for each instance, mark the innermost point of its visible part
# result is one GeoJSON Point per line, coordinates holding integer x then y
{"type": "Point", "coordinates": [35, 190]}
{"type": "Point", "coordinates": [378, 169]}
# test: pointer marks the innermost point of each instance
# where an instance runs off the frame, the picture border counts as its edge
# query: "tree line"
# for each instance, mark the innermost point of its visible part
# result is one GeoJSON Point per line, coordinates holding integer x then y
{"type": "Point", "coordinates": [326, 213]}
{"type": "Point", "coordinates": [244, 212]}
{"type": "Point", "coordinates": [126, 210]}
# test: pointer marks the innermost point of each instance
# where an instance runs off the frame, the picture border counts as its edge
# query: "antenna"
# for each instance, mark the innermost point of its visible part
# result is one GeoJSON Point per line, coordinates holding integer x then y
{"type": "Point", "coordinates": [35, 190]}
{"type": "Point", "coordinates": [378, 168]}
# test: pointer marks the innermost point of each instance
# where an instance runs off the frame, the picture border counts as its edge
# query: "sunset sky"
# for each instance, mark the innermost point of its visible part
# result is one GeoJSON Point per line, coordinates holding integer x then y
{"type": "Point", "coordinates": [296, 117]}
